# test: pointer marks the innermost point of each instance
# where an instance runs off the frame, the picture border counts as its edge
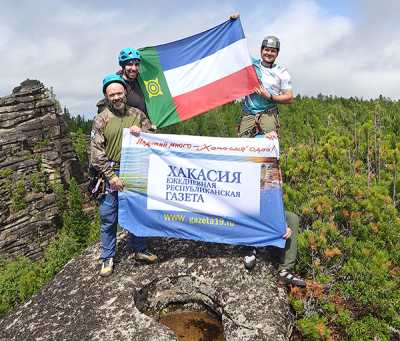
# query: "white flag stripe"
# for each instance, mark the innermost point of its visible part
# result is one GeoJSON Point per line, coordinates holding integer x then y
{"type": "Point", "coordinates": [221, 64]}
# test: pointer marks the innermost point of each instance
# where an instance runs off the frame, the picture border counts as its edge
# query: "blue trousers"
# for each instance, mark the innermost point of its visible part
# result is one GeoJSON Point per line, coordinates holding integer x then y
{"type": "Point", "coordinates": [108, 228]}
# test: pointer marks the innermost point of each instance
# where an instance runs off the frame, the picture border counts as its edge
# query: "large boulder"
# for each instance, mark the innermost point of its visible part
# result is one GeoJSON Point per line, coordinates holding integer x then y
{"type": "Point", "coordinates": [79, 305]}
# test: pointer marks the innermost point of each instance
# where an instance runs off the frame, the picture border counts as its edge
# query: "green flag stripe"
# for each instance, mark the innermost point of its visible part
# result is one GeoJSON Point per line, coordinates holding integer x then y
{"type": "Point", "coordinates": [159, 103]}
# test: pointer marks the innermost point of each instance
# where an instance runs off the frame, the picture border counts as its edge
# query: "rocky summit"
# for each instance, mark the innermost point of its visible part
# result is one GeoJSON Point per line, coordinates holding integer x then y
{"type": "Point", "coordinates": [79, 305]}
{"type": "Point", "coordinates": [36, 156]}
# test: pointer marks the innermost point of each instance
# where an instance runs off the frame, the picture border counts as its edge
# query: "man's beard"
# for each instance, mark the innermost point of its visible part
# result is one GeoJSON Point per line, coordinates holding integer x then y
{"type": "Point", "coordinates": [130, 75]}
{"type": "Point", "coordinates": [120, 107]}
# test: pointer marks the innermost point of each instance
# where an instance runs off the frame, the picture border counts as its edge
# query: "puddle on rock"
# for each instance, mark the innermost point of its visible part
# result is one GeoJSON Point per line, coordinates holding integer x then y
{"type": "Point", "coordinates": [194, 325]}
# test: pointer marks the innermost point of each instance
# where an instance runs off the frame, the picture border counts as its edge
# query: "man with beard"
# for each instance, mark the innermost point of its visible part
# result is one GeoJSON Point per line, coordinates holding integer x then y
{"type": "Point", "coordinates": [129, 60]}
{"type": "Point", "coordinates": [106, 141]}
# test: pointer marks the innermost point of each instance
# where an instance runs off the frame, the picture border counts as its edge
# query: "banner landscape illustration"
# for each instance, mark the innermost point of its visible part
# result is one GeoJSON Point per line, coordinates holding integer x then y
{"type": "Point", "coordinates": [223, 190]}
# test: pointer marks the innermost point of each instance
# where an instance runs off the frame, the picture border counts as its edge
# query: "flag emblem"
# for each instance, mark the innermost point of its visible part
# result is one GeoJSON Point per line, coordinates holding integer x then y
{"type": "Point", "coordinates": [153, 87]}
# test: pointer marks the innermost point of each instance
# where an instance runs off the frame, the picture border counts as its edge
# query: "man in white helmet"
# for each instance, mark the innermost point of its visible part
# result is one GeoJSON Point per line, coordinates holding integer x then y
{"type": "Point", "coordinates": [260, 110]}
{"type": "Point", "coordinates": [260, 118]}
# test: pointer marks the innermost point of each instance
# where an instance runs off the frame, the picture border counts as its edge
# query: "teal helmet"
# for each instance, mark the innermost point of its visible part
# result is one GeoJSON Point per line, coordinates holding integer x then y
{"type": "Point", "coordinates": [126, 55]}
{"type": "Point", "coordinates": [112, 78]}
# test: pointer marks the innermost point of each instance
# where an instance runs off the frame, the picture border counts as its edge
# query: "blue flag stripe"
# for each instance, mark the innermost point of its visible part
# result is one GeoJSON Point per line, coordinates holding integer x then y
{"type": "Point", "coordinates": [191, 49]}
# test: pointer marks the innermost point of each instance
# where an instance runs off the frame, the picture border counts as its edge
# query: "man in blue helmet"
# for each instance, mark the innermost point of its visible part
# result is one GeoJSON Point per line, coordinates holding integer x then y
{"type": "Point", "coordinates": [129, 60]}
{"type": "Point", "coordinates": [105, 154]}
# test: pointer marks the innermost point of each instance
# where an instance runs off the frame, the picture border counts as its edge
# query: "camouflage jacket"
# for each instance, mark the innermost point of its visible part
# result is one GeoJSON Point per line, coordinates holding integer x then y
{"type": "Point", "coordinates": [106, 137]}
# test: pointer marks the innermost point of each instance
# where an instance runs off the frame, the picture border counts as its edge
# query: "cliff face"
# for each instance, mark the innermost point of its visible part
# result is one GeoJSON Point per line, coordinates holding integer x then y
{"type": "Point", "coordinates": [36, 160]}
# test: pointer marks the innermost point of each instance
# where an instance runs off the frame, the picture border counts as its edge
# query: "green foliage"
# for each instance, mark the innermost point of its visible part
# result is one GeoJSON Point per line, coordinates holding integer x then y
{"type": "Point", "coordinates": [296, 304]}
{"type": "Point", "coordinates": [94, 231]}
{"type": "Point", "coordinates": [41, 144]}
{"type": "Point", "coordinates": [76, 222]}
{"type": "Point", "coordinates": [77, 123]}
{"type": "Point", "coordinates": [368, 328]}
{"type": "Point", "coordinates": [218, 122]}
{"type": "Point", "coordinates": [6, 172]}
{"type": "Point", "coordinates": [79, 128]}
{"type": "Point", "coordinates": [58, 254]}
{"type": "Point", "coordinates": [6, 182]}
{"type": "Point", "coordinates": [18, 202]}
{"type": "Point", "coordinates": [38, 181]}
{"type": "Point", "coordinates": [38, 158]}
{"type": "Point", "coordinates": [21, 278]}
{"type": "Point", "coordinates": [340, 164]}
{"type": "Point", "coordinates": [58, 190]}
{"type": "Point", "coordinates": [340, 169]}
{"type": "Point", "coordinates": [80, 143]}
{"type": "Point", "coordinates": [314, 327]}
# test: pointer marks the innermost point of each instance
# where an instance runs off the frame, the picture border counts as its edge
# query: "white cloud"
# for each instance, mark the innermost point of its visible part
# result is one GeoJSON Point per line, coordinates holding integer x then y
{"type": "Point", "coordinates": [336, 55]}
{"type": "Point", "coordinates": [72, 45]}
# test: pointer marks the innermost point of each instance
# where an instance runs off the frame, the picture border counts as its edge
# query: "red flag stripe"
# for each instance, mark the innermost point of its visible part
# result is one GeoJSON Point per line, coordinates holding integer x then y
{"type": "Point", "coordinates": [222, 91]}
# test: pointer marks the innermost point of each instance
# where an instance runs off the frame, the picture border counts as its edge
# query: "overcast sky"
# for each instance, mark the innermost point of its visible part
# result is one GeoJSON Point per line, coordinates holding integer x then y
{"type": "Point", "coordinates": [334, 47]}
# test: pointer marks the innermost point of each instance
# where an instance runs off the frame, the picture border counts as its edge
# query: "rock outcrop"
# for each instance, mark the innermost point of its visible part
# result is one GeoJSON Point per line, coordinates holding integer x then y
{"type": "Point", "coordinates": [79, 305]}
{"type": "Point", "coordinates": [36, 156]}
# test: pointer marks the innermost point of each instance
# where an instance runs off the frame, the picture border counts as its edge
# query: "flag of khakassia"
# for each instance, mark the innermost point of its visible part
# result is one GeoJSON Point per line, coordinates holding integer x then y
{"type": "Point", "coordinates": [187, 77]}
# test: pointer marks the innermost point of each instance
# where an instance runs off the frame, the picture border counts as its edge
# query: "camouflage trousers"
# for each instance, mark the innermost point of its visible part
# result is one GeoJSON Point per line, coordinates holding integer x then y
{"type": "Point", "coordinates": [268, 121]}
{"type": "Point", "coordinates": [288, 257]}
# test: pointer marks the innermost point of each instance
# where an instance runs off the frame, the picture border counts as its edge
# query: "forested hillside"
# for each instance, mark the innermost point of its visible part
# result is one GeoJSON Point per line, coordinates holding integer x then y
{"type": "Point", "coordinates": [340, 161]}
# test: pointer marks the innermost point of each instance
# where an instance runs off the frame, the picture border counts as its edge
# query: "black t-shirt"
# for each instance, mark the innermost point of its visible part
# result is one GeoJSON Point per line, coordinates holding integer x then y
{"type": "Point", "coordinates": [135, 95]}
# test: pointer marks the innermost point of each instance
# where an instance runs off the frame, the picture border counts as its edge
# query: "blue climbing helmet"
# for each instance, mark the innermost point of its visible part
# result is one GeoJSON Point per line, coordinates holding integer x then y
{"type": "Point", "coordinates": [126, 55]}
{"type": "Point", "coordinates": [112, 78]}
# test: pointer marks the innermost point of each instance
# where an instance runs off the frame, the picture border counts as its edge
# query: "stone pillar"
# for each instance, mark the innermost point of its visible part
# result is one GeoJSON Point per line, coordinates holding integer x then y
{"type": "Point", "coordinates": [36, 159]}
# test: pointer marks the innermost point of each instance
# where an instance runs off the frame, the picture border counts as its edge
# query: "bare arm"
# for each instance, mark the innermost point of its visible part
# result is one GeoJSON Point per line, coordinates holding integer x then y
{"type": "Point", "coordinates": [286, 97]}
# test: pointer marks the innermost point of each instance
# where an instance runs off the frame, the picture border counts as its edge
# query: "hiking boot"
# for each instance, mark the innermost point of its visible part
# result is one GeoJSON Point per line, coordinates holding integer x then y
{"type": "Point", "coordinates": [250, 260]}
{"type": "Point", "coordinates": [146, 256]}
{"type": "Point", "coordinates": [287, 278]}
{"type": "Point", "coordinates": [107, 267]}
